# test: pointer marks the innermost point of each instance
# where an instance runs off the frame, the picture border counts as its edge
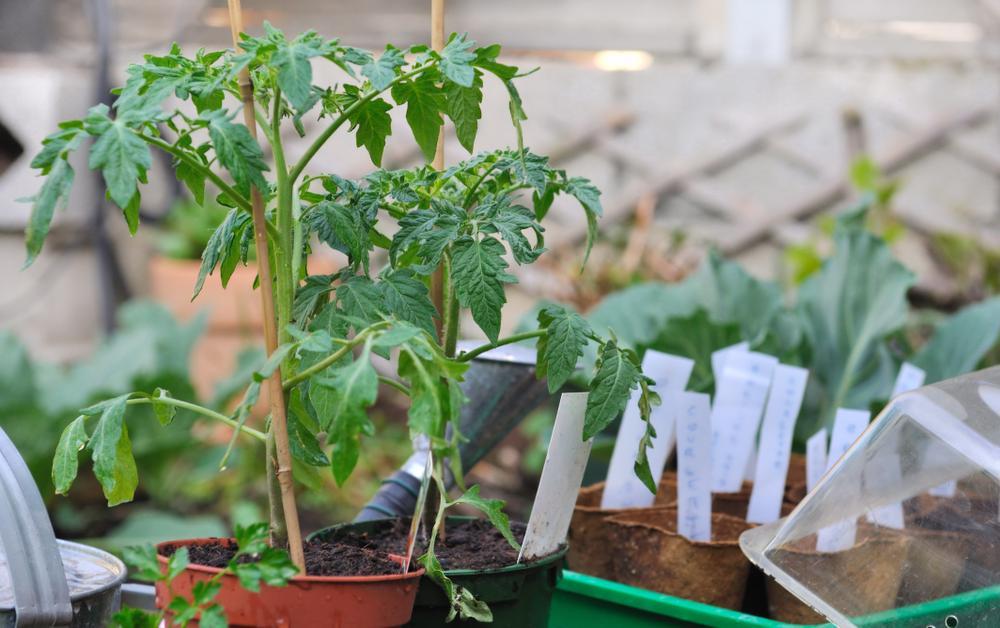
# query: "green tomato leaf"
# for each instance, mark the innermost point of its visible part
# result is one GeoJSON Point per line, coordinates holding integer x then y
{"type": "Point", "coordinates": [303, 443]}
{"type": "Point", "coordinates": [617, 375]}
{"type": "Point", "coordinates": [493, 509]}
{"type": "Point", "coordinates": [192, 178]}
{"type": "Point", "coordinates": [54, 194]}
{"type": "Point", "coordinates": [164, 411]}
{"type": "Point", "coordinates": [237, 151]}
{"type": "Point", "coordinates": [406, 298]}
{"type": "Point", "coordinates": [118, 153]}
{"type": "Point", "coordinates": [65, 462]}
{"type": "Point", "coordinates": [382, 71]}
{"type": "Point", "coordinates": [428, 231]}
{"type": "Point", "coordinates": [142, 562]}
{"type": "Point", "coordinates": [464, 109]}
{"type": "Point", "coordinates": [213, 616]}
{"type": "Point", "coordinates": [111, 449]}
{"type": "Point", "coordinates": [351, 390]}
{"type": "Point", "coordinates": [559, 350]}
{"type": "Point", "coordinates": [424, 102]}
{"type": "Point", "coordinates": [589, 196]}
{"type": "Point", "coordinates": [374, 125]}
{"type": "Point", "coordinates": [359, 298]}
{"type": "Point", "coordinates": [456, 60]}
{"type": "Point", "coordinates": [478, 272]}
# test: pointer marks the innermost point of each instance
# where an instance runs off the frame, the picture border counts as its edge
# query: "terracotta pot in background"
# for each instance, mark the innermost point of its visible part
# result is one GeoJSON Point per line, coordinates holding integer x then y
{"type": "Point", "coordinates": [589, 549]}
{"type": "Point", "coordinates": [650, 554]}
{"type": "Point", "coordinates": [339, 601]}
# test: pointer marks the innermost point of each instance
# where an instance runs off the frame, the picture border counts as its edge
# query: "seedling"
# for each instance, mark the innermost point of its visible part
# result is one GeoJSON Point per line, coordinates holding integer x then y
{"type": "Point", "coordinates": [462, 220]}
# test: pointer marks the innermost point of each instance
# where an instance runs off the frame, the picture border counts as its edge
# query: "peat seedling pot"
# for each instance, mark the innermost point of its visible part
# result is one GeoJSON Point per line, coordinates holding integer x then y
{"type": "Point", "coordinates": [650, 554]}
{"type": "Point", "coordinates": [342, 601]}
{"type": "Point", "coordinates": [870, 570]}
{"type": "Point", "coordinates": [518, 595]}
{"type": "Point", "coordinates": [590, 552]}
{"type": "Point", "coordinates": [45, 581]}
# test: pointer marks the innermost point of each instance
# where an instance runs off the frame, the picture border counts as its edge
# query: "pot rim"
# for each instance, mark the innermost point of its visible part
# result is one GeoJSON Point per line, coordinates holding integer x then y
{"type": "Point", "coordinates": [559, 554]}
{"type": "Point", "coordinates": [410, 575]}
{"type": "Point", "coordinates": [624, 522]}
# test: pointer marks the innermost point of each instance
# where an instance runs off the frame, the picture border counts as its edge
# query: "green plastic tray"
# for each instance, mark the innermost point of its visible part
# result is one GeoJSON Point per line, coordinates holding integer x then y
{"type": "Point", "coordinates": [582, 600]}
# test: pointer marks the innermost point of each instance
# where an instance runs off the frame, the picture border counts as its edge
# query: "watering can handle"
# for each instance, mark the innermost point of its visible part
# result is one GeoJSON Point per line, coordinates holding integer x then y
{"type": "Point", "coordinates": [41, 595]}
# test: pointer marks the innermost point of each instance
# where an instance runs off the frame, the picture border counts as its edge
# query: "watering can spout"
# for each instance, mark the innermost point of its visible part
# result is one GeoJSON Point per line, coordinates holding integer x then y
{"type": "Point", "coordinates": [502, 389]}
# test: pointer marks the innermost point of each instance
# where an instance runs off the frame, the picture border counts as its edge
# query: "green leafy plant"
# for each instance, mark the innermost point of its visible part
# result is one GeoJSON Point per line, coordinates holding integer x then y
{"type": "Point", "coordinates": [254, 563]}
{"type": "Point", "coordinates": [459, 222]}
{"type": "Point", "coordinates": [848, 323]}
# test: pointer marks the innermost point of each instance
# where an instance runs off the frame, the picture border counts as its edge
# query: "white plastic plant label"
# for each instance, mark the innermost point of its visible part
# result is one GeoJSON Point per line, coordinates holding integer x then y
{"type": "Point", "coordinates": [622, 488]}
{"type": "Point", "coordinates": [881, 474]}
{"type": "Point", "coordinates": [560, 482]}
{"type": "Point", "coordinates": [694, 467]}
{"type": "Point", "coordinates": [909, 378]}
{"type": "Point", "coordinates": [847, 427]}
{"type": "Point", "coordinates": [739, 402]}
{"type": "Point", "coordinates": [783, 403]}
{"type": "Point", "coordinates": [720, 356]}
{"type": "Point", "coordinates": [815, 458]}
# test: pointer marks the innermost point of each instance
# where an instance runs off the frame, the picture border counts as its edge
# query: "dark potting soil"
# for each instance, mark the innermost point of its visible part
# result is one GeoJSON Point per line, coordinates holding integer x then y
{"type": "Point", "coordinates": [468, 543]}
{"type": "Point", "coordinates": [323, 558]}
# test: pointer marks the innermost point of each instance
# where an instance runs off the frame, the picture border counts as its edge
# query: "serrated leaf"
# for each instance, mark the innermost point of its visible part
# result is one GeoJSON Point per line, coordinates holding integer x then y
{"type": "Point", "coordinates": [407, 299]}
{"type": "Point", "coordinates": [424, 102]}
{"type": "Point", "coordinates": [111, 450]}
{"type": "Point", "coordinates": [177, 563]}
{"type": "Point", "coordinates": [456, 60]}
{"type": "Point", "coordinates": [464, 110]}
{"type": "Point", "coordinates": [164, 411]}
{"type": "Point", "coordinates": [493, 509]}
{"type": "Point", "coordinates": [54, 194]}
{"type": "Point", "coordinates": [590, 198]}
{"type": "Point", "coordinates": [303, 443]}
{"type": "Point", "coordinates": [559, 350]}
{"type": "Point", "coordinates": [374, 125]}
{"type": "Point", "coordinates": [360, 299]}
{"type": "Point", "coordinates": [223, 248]}
{"type": "Point", "coordinates": [617, 375]}
{"type": "Point", "coordinates": [343, 229]}
{"type": "Point", "coordinates": [142, 562]}
{"type": "Point", "coordinates": [65, 463]}
{"type": "Point", "coordinates": [382, 71]}
{"type": "Point", "coordinates": [426, 230]}
{"type": "Point", "coordinates": [118, 153]}
{"type": "Point", "coordinates": [294, 73]}
{"type": "Point", "coordinates": [238, 152]}
{"type": "Point", "coordinates": [192, 178]}
{"type": "Point", "coordinates": [478, 273]}
{"type": "Point", "coordinates": [510, 221]}
{"type": "Point", "coordinates": [351, 390]}
{"type": "Point", "coordinates": [56, 146]}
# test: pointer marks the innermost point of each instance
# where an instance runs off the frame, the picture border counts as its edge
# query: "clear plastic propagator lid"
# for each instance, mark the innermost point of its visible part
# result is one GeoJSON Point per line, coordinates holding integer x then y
{"type": "Point", "coordinates": [905, 529]}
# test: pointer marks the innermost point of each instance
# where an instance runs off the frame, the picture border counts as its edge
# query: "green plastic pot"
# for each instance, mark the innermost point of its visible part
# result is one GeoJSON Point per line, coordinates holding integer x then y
{"type": "Point", "coordinates": [518, 595]}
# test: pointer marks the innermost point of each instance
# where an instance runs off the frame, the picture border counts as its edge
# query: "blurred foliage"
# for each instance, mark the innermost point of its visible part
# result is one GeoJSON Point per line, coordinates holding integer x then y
{"type": "Point", "coordinates": [188, 227]}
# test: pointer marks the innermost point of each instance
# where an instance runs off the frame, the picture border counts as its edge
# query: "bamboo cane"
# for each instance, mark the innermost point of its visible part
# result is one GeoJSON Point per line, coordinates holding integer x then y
{"type": "Point", "coordinates": [279, 426]}
{"type": "Point", "coordinates": [437, 43]}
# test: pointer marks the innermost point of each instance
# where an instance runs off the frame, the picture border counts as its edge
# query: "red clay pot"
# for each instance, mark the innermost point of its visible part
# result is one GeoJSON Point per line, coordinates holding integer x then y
{"type": "Point", "coordinates": [338, 601]}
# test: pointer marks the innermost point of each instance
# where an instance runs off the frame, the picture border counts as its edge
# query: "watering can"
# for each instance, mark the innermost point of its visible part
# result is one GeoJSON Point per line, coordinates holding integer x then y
{"type": "Point", "coordinates": [45, 581]}
{"type": "Point", "coordinates": [502, 389]}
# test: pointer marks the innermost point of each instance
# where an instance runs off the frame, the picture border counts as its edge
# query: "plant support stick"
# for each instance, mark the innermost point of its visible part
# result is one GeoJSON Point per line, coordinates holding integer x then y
{"type": "Point", "coordinates": [279, 428]}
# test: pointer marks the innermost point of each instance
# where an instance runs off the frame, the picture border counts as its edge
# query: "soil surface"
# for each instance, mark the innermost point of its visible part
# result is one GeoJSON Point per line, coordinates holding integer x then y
{"type": "Point", "coordinates": [468, 544]}
{"type": "Point", "coordinates": [323, 558]}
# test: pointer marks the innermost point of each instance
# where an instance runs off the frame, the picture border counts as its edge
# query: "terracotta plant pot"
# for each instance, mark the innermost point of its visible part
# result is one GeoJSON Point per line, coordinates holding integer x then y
{"type": "Point", "coordinates": [342, 601]}
{"type": "Point", "coordinates": [650, 554]}
{"type": "Point", "coordinates": [589, 549]}
{"type": "Point", "coordinates": [868, 574]}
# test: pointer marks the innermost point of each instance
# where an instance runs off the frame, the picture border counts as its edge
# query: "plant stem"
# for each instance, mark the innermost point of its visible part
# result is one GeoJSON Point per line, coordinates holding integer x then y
{"type": "Point", "coordinates": [468, 355]}
{"type": "Point", "coordinates": [290, 532]}
{"type": "Point", "coordinates": [205, 412]}
{"type": "Point", "coordinates": [400, 386]}
{"type": "Point", "coordinates": [450, 305]}
{"type": "Point", "coordinates": [301, 164]}
{"type": "Point", "coordinates": [306, 373]}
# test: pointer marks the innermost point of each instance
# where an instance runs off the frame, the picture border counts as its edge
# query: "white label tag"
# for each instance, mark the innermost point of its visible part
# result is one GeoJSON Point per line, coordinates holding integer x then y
{"type": "Point", "coordinates": [623, 489]}
{"type": "Point", "coordinates": [739, 402]}
{"type": "Point", "coordinates": [783, 403]}
{"type": "Point", "coordinates": [694, 467]}
{"type": "Point", "coordinates": [560, 481]}
{"type": "Point", "coordinates": [720, 356]}
{"type": "Point", "coordinates": [881, 474]}
{"type": "Point", "coordinates": [815, 458]}
{"type": "Point", "coordinates": [909, 378]}
{"type": "Point", "coordinates": [751, 468]}
{"type": "Point", "coordinates": [847, 427]}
